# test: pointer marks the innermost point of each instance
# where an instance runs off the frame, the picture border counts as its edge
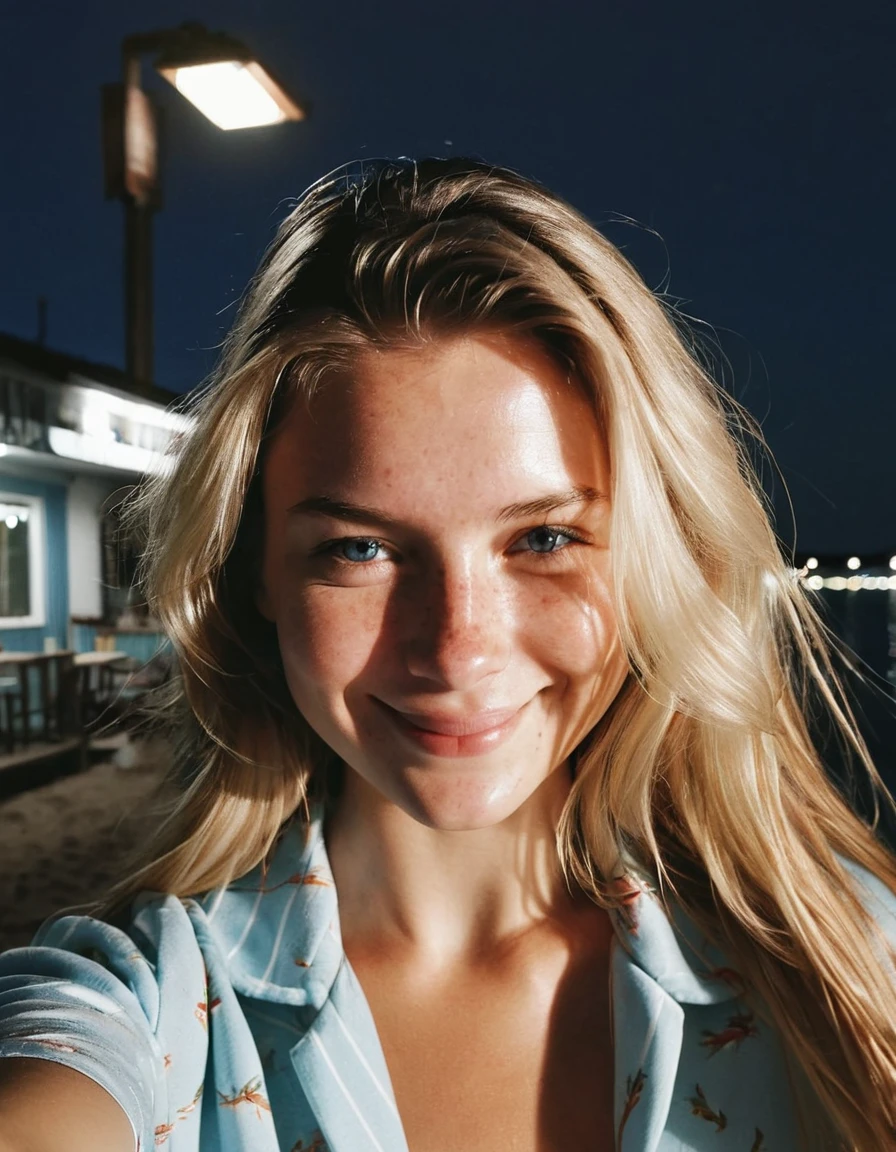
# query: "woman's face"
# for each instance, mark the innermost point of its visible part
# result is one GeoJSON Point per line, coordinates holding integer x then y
{"type": "Point", "coordinates": [437, 565]}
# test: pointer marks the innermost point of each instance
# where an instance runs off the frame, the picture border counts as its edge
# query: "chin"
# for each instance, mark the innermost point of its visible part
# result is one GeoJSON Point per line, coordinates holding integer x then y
{"type": "Point", "coordinates": [461, 801]}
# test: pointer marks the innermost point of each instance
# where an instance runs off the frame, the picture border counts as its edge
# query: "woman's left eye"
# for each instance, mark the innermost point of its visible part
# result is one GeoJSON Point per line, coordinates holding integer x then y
{"type": "Point", "coordinates": [545, 539]}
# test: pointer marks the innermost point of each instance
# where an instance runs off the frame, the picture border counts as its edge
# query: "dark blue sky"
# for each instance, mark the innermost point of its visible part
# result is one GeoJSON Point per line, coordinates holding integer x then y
{"type": "Point", "coordinates": [759, 146]}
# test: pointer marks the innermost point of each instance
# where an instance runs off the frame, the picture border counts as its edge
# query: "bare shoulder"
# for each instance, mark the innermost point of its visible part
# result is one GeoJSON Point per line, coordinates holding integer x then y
{"type": "Point", "coordinates": [83, 1117]}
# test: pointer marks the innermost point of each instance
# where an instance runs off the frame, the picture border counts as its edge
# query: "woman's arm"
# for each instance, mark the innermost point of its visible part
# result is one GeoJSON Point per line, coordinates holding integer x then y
{"type": "Point", "coordinates": [46, 1106]}
{"type": "Point", "coordinates": [115, 1009]}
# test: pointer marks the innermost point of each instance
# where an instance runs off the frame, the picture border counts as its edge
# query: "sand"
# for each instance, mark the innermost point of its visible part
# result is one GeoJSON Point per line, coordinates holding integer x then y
{"type": "Point", "coordinates": [64, 843]}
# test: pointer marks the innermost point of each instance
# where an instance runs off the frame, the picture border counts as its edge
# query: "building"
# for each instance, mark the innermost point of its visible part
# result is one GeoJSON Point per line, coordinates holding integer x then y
{"type": "Point", "coordinates": [74, 440]}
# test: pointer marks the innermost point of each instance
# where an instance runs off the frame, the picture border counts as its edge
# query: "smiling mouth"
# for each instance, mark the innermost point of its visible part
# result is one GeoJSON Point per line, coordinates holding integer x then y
{"type": "Point", "coordinates": [452, 736]}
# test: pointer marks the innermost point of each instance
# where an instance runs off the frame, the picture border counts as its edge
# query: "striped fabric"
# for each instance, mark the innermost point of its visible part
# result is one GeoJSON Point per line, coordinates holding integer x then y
{"type": "Point", "coordinates": [234, 1023]}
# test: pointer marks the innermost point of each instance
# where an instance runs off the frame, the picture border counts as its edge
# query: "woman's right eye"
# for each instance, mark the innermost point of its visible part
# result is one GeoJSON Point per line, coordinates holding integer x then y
{"type": "Point", "coordinates": [356, 550]}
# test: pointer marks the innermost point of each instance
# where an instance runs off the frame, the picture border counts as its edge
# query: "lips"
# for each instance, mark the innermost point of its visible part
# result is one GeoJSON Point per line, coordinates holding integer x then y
{"type": "Point", "coordinates": [441, 734]}
{"type": "Point", "coordinates": [468, 725]}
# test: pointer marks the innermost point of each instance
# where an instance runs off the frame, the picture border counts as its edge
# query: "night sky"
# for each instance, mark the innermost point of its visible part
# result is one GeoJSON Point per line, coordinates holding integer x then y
{"type": "Point", "coordinates": [750, 150]}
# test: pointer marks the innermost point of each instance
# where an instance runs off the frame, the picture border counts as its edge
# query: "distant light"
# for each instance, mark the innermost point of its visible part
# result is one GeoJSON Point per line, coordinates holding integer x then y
{"type": "Point", "coordinates": [233, 93]}
{"type": "Point", "coordinates": [811, 563]}
{"type": "Point", "coordinates": [854, 583]}
{"type": "Point", "coordinates": [11, 522]}
{"type": "Point", "coordinates": [815, 582]}
{"type": "Point", "coordinates": [869, 582]}
{"type": "Point", "coordinates": [883, 583]}
{"type": "Point", "coordinates": [853, 563]}
{"type": "Point", "coordinates": [892, 582]}
{"type": "Point", "coordinates": [893, 562]}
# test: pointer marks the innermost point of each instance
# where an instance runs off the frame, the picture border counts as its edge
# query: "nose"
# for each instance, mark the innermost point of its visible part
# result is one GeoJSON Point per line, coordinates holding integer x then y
{"type": "Point", "coordinates": [460, 632]}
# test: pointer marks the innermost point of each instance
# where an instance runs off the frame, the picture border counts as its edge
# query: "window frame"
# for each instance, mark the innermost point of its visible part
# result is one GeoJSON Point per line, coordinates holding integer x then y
{"type": "Point", "coordinates": [37, 547]}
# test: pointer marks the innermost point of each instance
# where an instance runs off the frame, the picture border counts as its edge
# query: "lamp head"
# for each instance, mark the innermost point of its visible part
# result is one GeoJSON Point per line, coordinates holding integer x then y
{"type": "Point", "coordinates": [221, 76]}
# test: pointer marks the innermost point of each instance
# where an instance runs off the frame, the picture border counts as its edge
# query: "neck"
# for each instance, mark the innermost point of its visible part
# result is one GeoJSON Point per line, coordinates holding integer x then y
{"type": "Point", "coordinates": [446, 896]}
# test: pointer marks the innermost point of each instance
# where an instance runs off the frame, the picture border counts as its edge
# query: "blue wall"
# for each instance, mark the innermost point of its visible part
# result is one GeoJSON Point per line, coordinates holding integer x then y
{"type": "Point", "coordinates": [56, 567]}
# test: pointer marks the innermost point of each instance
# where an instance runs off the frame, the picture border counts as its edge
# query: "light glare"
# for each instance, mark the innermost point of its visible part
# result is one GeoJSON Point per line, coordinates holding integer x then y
{"type": "Point", "coordinates": [853, 563]}
{"type": "Point", "coordinates": [811, 563]}
{"type": "Point", "coordinates": [229, 94]}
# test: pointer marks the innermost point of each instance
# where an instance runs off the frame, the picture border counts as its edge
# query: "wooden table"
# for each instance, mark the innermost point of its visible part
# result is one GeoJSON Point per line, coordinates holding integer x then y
{"type": "Point", "coordinates": [97, 659]}
{"type": "Point", "coordinates": [54, 712]}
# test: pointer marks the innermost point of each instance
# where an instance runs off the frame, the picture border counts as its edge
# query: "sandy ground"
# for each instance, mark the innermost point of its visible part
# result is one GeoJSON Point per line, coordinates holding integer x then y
{"type": "Point", "coordinates": [64, 843]}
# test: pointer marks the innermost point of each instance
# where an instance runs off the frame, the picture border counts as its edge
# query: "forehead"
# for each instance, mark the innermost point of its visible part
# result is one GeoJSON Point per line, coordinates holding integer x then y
{"type": "Point", "coordinates": [475, 415]}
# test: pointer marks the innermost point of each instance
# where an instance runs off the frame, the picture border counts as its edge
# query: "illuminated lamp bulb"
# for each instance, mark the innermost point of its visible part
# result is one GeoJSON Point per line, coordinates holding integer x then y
{"type": "Point", "coordinates": [853, 563]}
{"type": "Point", "coordinates": [11, 522]}
{"type": "Point", "coordinates": [812, 562]}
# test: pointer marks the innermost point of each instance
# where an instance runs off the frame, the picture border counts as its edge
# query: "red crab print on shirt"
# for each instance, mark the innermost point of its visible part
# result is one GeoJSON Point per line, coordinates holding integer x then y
{"type": "Point", "coordinates": [204, 1006]}
{"type": "Point", "coordinates": [700, 1107]}
{"type": "Point", "coordinates": [313, 878]}
{"type": "Point", "coordinates": [316, 1144]}
{"type": "Point", "coordinates": [186, 1109]}
{"type": "Point", "coordinates": [251, 1094]}
{"type": "Point", "coordinates": [625, 913]}
{"type": "Point", "coordinates": [740, 1028]}
{"type": "Point", "coordinates": [634, 1087]}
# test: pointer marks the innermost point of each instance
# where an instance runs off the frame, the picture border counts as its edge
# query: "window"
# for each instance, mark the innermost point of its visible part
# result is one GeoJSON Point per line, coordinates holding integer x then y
{"type": "Point", "coordinates": [21, 561]}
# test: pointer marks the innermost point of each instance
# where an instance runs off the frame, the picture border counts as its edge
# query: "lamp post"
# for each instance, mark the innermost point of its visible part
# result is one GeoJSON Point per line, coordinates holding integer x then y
{"type": "Point", "coordinates": [223, 78]}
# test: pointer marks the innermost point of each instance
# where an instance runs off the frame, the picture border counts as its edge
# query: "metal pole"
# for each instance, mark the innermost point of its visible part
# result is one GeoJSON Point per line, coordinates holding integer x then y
{"type": "Point", "coordinates": [138, 292]}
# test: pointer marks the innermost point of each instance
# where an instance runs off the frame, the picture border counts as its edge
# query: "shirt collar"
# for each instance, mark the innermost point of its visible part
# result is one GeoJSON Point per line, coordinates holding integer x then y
{"type": "Point", "coordinates": [666, 945]}
{"type": "Point", "coordinates": [277, 928]}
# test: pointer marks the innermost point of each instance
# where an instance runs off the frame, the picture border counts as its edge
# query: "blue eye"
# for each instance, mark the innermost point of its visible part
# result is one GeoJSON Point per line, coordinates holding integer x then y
{"type": "Point", "coordinates": [359, 551]}
{"type": "Point", "coordinates": [544, 539]}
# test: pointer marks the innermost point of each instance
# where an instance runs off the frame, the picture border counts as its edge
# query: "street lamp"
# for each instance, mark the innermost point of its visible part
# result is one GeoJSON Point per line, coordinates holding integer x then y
{"type": "Point", "coordinates": [223, 78]}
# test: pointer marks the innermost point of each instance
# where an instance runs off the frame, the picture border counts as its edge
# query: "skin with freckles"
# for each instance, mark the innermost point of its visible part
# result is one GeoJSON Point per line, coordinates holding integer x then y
{"type": "Point", "coordinates": [437, 566]}
{"type": "Point", "coordinates": [416, 583]}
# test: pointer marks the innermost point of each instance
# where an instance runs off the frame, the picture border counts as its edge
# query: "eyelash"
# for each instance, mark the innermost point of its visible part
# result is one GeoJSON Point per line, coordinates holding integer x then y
{"type": "Point", "coordinates": [331, 548]}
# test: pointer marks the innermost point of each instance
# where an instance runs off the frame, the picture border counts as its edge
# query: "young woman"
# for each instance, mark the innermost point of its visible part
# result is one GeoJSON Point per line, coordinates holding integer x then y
{"type": "Point", "coordinates": [483, 627]}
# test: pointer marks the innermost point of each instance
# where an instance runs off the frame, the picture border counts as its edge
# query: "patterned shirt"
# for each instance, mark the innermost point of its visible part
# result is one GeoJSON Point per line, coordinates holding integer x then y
{"type": "Point", "coordinates": [234, 1022]}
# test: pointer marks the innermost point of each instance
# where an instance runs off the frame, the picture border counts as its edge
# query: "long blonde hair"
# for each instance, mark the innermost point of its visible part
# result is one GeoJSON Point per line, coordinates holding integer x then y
{"type": "Point", "coordinates": [703, 769]}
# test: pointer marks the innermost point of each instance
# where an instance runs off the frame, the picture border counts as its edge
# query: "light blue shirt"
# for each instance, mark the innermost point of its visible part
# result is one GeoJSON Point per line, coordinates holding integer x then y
{"type": "Point", "coordinates": [234, 1023]}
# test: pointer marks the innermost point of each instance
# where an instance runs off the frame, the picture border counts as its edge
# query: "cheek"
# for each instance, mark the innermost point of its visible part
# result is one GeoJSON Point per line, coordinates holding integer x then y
{"type": "Point", "coordinates": [575, 638]}
{"type": "Point", "coordinates": [572, 627]}
{"type": "Point", "coordinates": [328, 638]}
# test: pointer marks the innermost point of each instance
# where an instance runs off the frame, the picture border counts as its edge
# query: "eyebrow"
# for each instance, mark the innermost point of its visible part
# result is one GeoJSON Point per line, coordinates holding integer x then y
{"type": "Point", "coordinates": [344, 510]}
